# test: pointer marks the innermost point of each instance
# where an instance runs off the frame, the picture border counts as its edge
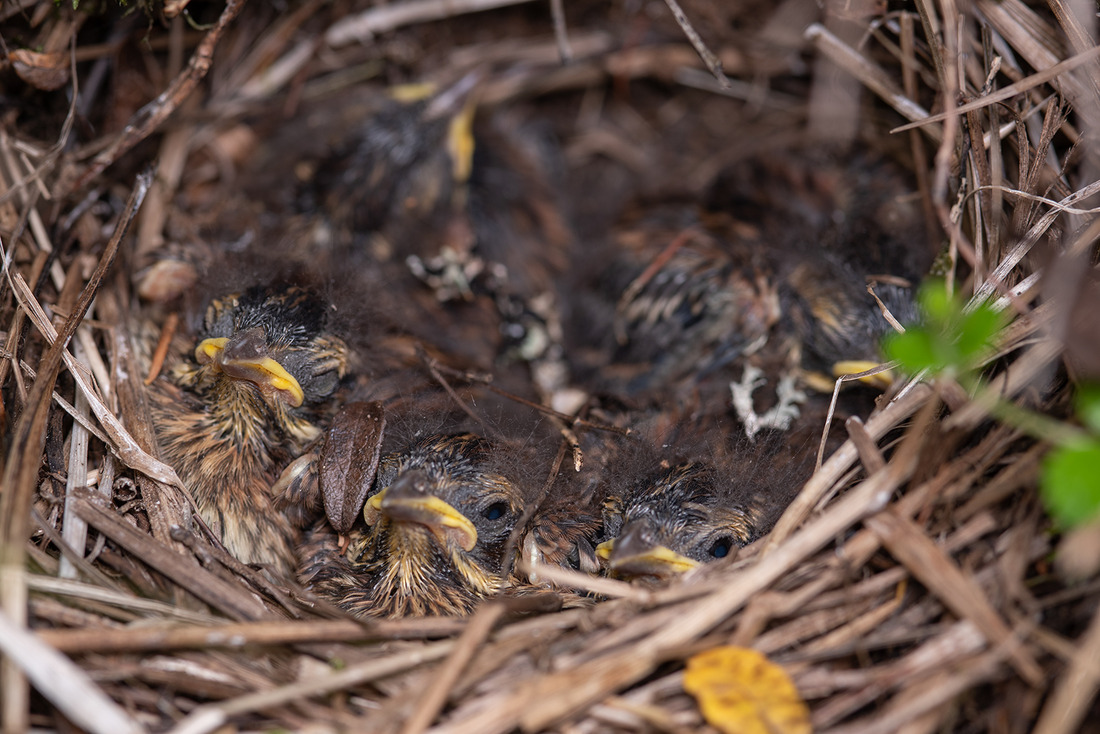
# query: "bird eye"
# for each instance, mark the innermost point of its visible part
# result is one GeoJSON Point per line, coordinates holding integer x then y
{"type": "Point", "coordinates": [495, 511]}
{"type": "Point", "coordinates": [721, 548]}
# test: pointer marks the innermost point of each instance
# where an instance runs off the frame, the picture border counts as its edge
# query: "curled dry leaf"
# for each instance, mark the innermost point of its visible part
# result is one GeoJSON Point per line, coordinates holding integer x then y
{"type": "Point", "coordinates": [739, 690]}
{"type": "Point", "coordinates": [47, 71]}
{"type": "Point", "coordinates": [349, 461]}
{"type": "Point", "coordinates": [166, 280]}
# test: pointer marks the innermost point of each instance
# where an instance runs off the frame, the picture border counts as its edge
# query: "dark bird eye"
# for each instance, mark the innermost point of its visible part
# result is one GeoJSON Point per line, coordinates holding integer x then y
{"type": "Point", "coordinates": [721, 548]}
{"type": "Point", "coordinates": [495, 511]}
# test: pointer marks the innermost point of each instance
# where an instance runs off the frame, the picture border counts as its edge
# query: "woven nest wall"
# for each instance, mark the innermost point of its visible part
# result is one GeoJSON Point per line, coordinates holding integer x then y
{"type": "Point", "coordinates": [915, 582]}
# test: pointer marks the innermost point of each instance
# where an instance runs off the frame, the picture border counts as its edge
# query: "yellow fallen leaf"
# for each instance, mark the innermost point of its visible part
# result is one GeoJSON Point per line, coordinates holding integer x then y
{"type": "Point", "coordinates": [741, 691]}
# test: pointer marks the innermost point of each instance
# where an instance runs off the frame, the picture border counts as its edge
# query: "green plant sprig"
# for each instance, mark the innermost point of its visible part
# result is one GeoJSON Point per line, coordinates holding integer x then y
{"type": "Point", "coordinates": [954, 342]}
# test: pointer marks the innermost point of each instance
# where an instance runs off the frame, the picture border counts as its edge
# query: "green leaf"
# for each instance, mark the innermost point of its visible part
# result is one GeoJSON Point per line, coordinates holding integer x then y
{"type": "Point", "coordinates": [1088, 405]}
{"type": "Point", "coordinates": [948, 339]}
{"type": "Point", "coordinates": [938, 306]}
{"type": "Point", "coordinates": [976, 332]}
{"type": "Point", "coordinates": [918, 349]}
{"type": "Point", "coordinates": [1071, 483]}
{"type": "Point", "coordinates": [914, 349]}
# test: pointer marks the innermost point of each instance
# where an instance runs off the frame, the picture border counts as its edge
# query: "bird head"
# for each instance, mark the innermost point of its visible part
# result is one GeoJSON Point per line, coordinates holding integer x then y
{"type": "Point", "coordinates": [437, 528]}
{"type": "Point", "coordinates": [265, 352]}
{"type": "Point", "coordinates": [672, 521]}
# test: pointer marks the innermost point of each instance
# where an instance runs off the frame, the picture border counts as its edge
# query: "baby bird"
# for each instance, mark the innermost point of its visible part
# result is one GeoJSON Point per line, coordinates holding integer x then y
{"type": "Point", "coordinates": [233, 413]}
{"type": "Point", "coordinates": [684, 493]}
{"type": "Point", "coordinates": [455, 205]}
{"type": "Point", "coordinates": [845, 238]}
{"type": "Point", "coordinates": [693, 304]}
{"type": "Point", "coordinates": [770, 276]}
{"type": "Point", "coordinates": [674, 520]}
{"type": "Point", "coordinates": [837, 325]}
{"type": "Point", "coordinates": [432, 537]}
{"type": "Point", "coordinates": [464, 194]}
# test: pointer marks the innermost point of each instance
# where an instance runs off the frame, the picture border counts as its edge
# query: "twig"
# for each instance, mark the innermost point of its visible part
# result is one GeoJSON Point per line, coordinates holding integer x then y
{"type": "Point", "coordinates": [75, 558]}
{"type": "Point", "coordinates": [63, 683]}
{"type": "Point", "coordinates": [1028, 33]}
{"type": "Point", "coordinates": [232, 599]}
{"type": "Point", "coordinates": [74, 530]}
{"type": "Point", "coordinates": [363, 27]}
{"type": "Point", "coordinates": [712, 62]}
{"type": "Point", "coordinates": [50, 156]}
{"type": "Point", "coordinates": [444, 679]}
{"type": "Point", "coordinates": [561, 35]}
{"type": "Point", "coordinates": [433, 368]}
{"type": "Point", "coordinates": [210, 718]}
{"type": "Point", "coordinates": [1067, 707]}
{"type": "Point", "coordinates": [568, 578]}
{"type": "Point", "coordinates": [910, 76]}
{"type": "Point", "coordinates": [235, 636]}
{"type": "Point", "coordinates": [869, 453]}
{"type": "Point", "coordinates": [116, 599]}
{"type": "Point", "coordinates": [121, 442]}
{"type": "Point", "coordinates": [153, 114]}
{"type": "Point", "coordinates": [878, 369]}
{"type": "Point", "coordinates": [823, 479]}
{"type": "Point", "coordinates": [872, 76]}
{"type": "Point", "coordinates": [953, 646]}
{"type": "Point", "coordinates": [167, 332]}
{"type": "Point", "coordinates": [1039, 77]}
{"type": "Point", "coordinates": [946, 689]}
{"type": "Point", "coordinates": [934, 569]}
{"type": "Point", "coordinates": [1007, 384]}
{"type": "Point", "coordinates": [26, 447]}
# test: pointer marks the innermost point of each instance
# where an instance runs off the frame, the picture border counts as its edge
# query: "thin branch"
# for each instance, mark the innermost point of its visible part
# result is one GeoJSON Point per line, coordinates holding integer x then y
{"type": "Point", "coordinates": [712, 62]}
{"type": "Point", "coordinates": [150, 117]}
{"type": "Point", "coordinates": [63, 683]}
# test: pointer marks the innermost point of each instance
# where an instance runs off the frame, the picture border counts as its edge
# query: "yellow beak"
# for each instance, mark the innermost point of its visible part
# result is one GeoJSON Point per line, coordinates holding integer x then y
{"type": "Point", "coordinates": [264, 372]}
{"type": "Point", "coordinates": [656, 560]}
{"type": "Point", "coordinates": [881, 380]}
{"type": "Point", "coordinates": [443, 520]}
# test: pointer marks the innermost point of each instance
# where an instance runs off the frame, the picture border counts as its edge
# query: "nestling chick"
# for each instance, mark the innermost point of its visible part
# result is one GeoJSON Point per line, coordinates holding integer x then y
{"type": "Point", "coordinates": [694, 303]}
{"type": "Point", "coordinates": [688, 493]}
{"type": "Point", "coordinates": [435, 178]}
{"type": "Point", "coordinates": [675, 519]}
{"type": "Point", "coordinates": [432, 536]}
{"type": "Point", "coordinates": [837, 325]}
{"type": "Point", "coordinates": [834, 225]}
{"type": "Point", "coordinates": [770, 281]}
{"type": "Point", "coordinates": [230, 416]}
{"type": "Point", "coordinates": [455, 204]}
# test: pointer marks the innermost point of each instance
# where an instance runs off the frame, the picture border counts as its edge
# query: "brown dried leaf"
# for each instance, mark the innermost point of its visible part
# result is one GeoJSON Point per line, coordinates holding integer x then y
{"type": "Point", "coordinates": [48, 71]}
{"type": "Point", "coordinates": [349, 461]}
{"type": "Point", "coordinates": [167, 279]}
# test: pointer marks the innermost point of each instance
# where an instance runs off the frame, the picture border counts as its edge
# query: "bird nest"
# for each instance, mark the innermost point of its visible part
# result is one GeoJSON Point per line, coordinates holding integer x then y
{"type": "Point", "coordinates": [916, 582]}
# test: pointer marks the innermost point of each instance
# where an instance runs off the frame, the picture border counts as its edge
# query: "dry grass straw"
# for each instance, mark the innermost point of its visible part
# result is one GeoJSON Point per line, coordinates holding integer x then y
{"type": "Point", "coordinates": [907, 588]}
